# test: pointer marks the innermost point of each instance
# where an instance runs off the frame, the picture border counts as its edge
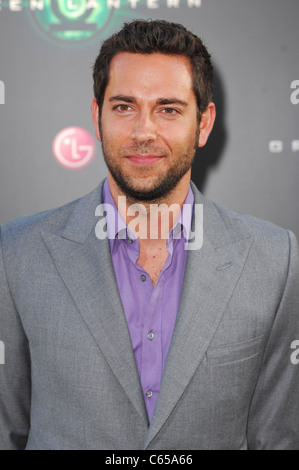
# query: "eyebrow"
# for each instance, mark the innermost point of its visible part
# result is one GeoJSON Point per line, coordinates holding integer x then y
{"type": "Point", "coordinates": [131, 99]}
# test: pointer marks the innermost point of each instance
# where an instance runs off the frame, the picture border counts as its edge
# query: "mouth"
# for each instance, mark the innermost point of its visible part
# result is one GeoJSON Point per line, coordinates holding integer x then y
{"type": "Point", "coordinates": [147, 159]}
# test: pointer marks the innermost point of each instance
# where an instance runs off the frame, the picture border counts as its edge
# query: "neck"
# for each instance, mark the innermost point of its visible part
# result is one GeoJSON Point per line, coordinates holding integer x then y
{"type": "Point", "coordinates": [151, 221]}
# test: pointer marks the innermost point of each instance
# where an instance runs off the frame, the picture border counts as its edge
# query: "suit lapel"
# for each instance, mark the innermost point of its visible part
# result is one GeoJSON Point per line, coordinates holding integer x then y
{"type": "Point", "coordinates": [84, 263]}
{"type": "Point", "coordinates": [211, 275]}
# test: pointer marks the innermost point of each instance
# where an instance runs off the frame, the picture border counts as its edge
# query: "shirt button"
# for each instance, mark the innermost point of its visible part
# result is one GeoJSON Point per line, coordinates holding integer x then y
{"type": "Point", "coordinates": [150, 335]}
{"type": "Point", "coordinates": [148, 393]}
{"type": "Point", "coordinates": [143, 277]}
{"type": "Point", "coordinates": [130, 240]}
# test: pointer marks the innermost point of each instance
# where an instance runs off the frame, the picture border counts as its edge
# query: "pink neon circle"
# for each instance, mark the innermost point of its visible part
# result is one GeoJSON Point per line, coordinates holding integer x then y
{"type": "Point", "coordinates": [74, 148]}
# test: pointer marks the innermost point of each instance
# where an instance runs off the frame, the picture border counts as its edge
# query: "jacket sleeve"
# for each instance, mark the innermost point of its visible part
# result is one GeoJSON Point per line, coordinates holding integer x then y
{"type": "Point", "coordinates": [15, 382]}
{"type": "Point", "coordinates": [273, 422]}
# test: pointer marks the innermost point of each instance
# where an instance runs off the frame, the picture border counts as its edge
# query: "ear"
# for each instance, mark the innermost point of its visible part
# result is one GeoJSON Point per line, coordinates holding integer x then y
{"type": "Point", "coordinates": [206, 124]}
{"type": "Point", "coordinates": [95, 117]}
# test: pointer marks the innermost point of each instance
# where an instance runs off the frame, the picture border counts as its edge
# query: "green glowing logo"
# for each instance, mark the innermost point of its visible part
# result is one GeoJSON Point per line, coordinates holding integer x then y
{"type": "Point", "coordinates": [73, 20]}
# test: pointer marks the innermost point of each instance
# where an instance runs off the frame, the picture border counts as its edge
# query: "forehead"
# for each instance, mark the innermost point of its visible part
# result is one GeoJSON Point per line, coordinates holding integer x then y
{"type": "Point", "coordinates": [149, 75]}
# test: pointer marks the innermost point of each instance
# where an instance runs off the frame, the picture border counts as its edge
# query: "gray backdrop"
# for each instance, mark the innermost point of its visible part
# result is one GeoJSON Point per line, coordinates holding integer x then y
{"type": "Point", "coordinates": [251, 162]}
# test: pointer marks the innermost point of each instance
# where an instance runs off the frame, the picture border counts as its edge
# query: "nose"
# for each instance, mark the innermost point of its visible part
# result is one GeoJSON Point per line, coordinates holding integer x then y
{"type": "Point", "coordinates": [144, 129]}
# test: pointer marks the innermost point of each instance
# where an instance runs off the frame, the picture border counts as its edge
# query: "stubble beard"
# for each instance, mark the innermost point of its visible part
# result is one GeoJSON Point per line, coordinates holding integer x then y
{"type": "Point", "coordinates": [163, 184]}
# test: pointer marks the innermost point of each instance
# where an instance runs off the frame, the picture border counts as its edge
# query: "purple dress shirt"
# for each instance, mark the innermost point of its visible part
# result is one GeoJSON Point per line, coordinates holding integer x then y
{"type": "Point", "coordinates": [150, 311]}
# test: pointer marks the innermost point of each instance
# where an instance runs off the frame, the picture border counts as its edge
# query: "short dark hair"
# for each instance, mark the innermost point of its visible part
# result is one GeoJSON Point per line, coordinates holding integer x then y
{"type": "Point", "coordinates": [147, 37]}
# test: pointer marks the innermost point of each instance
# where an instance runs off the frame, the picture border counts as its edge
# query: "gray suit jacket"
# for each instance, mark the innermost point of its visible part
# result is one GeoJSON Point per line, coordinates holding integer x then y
{"type": "Point", "coordinates": [70, 380]}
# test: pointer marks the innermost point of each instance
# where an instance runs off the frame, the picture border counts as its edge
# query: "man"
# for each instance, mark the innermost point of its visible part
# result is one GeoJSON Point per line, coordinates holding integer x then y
{"type": "Point", "coordinates": [138, 341]}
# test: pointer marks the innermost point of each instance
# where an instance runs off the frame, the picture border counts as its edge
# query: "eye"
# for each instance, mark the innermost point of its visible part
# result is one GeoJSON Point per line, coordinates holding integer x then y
{"type": "Point", "coordinates": [169, 111]}
{"type": "Point", "coordinates": [122, 107]}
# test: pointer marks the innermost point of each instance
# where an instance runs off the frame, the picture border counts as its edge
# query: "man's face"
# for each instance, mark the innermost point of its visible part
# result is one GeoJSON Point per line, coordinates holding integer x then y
{"type": "Point", "coordinates": [149, 129]}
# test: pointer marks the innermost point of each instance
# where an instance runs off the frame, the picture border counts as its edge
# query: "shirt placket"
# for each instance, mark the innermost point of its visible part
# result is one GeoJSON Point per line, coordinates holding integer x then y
{"type": "Point", "coordinates": [151, 365]}
{"type": "Point", "coordinates": [151, 371]}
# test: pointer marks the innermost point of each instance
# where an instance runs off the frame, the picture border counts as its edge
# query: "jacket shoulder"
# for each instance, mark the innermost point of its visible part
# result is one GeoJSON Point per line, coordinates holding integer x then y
{"type": "Point", "coordinates": [26, 226]}
{"type": "Point", "coordinates": [239, 222]}
{"type": "Point", "coordinates": [29, 227]}
{"type": "Point", "coordinates": [274, 250]}
{"type": "Point", "coordinates": [228, 225]}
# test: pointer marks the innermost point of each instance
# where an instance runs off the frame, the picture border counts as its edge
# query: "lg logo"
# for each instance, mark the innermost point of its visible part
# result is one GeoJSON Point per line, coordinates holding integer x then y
{"type": "Point", "coordinates": [2, 92]}
{"type": "Point", "coordinates": [295, 95]}
{"type": "Point", "coordinates": [73, 148]}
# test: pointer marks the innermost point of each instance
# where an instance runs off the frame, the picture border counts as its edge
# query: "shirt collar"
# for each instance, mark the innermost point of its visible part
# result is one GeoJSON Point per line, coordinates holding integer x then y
{"type": "Point", "coordinates": [117, 228]}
